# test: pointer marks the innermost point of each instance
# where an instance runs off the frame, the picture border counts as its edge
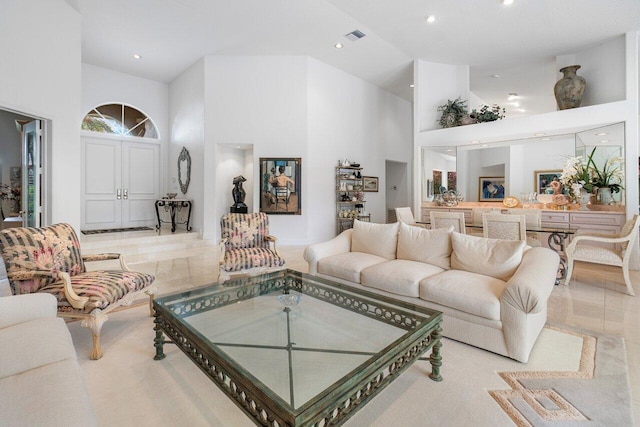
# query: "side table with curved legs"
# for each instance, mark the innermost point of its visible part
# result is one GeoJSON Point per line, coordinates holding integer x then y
{"type": "Point", "coordinates": [172, 206]}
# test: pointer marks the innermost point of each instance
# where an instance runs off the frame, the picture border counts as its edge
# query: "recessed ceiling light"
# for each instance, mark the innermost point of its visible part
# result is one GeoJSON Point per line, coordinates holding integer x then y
{"type": "Point", "coordinates": [522, 110]}
{"type": "Point", "coordinates": [601, 134]}
{"type": "Point", "coordinates": [495, 76]}
{"type": "Point", "coordinates": [449, 150]}
{"type": "Point", "coordinates": [136, 56]}
{"type": "Point", "coordinates": [475, 141]}
{"type": "Point", "coordinates": [484, 145]}
{"type": "Point", "coordinates": [338, 45]}
{"type": "Point", "coordinates": [431, 19]}
{"type": "Point", "coordinates": [512, 96]}
{"type": "Point", "coordinates": [539, 134]}
{"type": "Point", "coordinates": [411, 85]}
{"type": "Point", "coordinates": [604, 141]}
{"type": "Point", "coordinates": [546, 139]}
{"type": "Point", "coordinates": [507, 2]}
{"type": "Point", "coordinates": [515, 104]}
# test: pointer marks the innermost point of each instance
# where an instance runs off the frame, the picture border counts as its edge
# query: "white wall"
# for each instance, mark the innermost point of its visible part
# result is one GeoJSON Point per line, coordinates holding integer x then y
{"type": "Point", "coordinates": [41, 76]}
{"type": "Point", "coordinates": [186, 128]}
{"type": "Point", "coordinates": [434, 84]}
{"type": "Point", "coordinates": [350, 118]}
{"type": "Point", "coordinates": [603, 67]}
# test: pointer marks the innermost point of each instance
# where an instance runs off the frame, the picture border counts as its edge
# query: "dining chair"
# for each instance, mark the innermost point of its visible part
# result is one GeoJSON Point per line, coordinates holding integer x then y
{"type": "Point", "coordinates": [502, 226]}
{"type": "Point", "coordinates": [619, 255]}
{"type": "Point", "coordinates": [533, 219]}
{"type": "Point", "coordinates": [405, 216]}
{"type": "Point", "coordinates": [448, 219]}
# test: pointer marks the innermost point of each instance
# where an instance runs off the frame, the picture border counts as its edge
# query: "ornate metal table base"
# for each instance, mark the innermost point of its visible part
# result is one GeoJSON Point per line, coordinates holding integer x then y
{"type": "Point", "coordinates": [173, 206]}
{"type": "Point", "coordinates": [341, 400]}
{"type": "Point", "coordinates": [556, 242]}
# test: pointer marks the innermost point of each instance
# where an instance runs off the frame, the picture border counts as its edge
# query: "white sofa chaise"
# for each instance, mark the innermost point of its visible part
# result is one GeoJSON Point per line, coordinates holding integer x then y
{"type": "Point", "coordinates": [493, 293]}
{"type": "Point", "coordinates": [41, 382]}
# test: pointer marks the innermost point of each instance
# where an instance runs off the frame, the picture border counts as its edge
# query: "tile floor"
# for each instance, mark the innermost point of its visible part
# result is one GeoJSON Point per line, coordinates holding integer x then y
{"type": "Point", "coordinates": [593, 300]}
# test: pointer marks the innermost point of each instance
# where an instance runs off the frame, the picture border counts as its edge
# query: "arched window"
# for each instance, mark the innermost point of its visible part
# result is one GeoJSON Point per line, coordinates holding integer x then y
{"type": "Point", "coordinates": [119, 119]}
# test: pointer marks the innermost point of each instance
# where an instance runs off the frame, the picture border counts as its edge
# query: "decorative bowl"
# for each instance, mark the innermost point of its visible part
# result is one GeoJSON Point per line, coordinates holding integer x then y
{"type": "Point", "coordinates": [545, 198]}
{"type": "Point", "coordinates": [289, 300]}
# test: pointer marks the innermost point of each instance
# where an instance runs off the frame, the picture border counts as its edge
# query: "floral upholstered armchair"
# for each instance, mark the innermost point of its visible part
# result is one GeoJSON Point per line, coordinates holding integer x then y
{"type": "Point", "coordinates": [245, 245]}
{"type": "Point", "coordinates": [48, 260]}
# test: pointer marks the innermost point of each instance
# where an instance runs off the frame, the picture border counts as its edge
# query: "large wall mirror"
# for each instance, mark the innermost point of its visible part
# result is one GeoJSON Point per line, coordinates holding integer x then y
{"type": "Point", "coordinates": [520, 166]}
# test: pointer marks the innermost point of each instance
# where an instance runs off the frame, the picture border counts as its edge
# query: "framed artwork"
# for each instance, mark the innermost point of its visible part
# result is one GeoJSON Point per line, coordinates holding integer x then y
{"type": "Point", "coordinates": [437, 181]}
{"type": "Point", "coordinates": [541, 180]}
{"type": "Point", "coordinates": [491, 188]}
{"type": "Point", "coordinates": [370, 183]}
{"type": "Point", "coordinates": [452, 181]}
{"type": "Point", "coordinates": [281, 185]}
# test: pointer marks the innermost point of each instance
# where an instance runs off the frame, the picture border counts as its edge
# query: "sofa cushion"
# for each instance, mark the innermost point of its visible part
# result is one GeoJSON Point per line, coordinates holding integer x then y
{"type": "Point", "coordinates": [375, 239]}
{"type": "Point", "coordinates": [398, 276]}
{"type": "Point", "coordinates": [423, 245]}
{"type": "Point", "coordinates": [492, 257]}
{"type": "Point", "coordinates": [348, 265]}
{"type": "Point", "coordinates": [471, 293]}
{"type": "Point", "coordinates": [52, 395]}
{"type": "Point", "coordinates": [48, 341]}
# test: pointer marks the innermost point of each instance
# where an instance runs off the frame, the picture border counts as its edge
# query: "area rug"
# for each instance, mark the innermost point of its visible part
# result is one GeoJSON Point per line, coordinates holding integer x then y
{"type": "Point", "coordinates": [115, 230]}
{"type": "Point", "coordinates": [573, 378]}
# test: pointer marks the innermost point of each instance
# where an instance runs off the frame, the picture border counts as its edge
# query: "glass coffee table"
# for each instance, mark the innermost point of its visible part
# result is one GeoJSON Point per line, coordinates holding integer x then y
{"type": "Point", "coordinates": [293, 349]}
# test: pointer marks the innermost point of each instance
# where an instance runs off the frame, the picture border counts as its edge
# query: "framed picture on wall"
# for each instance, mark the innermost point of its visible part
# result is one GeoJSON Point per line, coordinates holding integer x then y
{"type": "Point", "coordinates": [437, 181]}
{"type": "Point", "coordinates": [281, 185]}
{"type": "Point", "coordinates": [370, 183]}
{"type": "Point", "coordinates": [491, 189]}
{"type": "Point", "coordinates": [541, 180]}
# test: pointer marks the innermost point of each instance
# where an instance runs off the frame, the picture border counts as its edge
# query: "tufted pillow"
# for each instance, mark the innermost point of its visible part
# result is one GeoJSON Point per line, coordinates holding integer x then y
{"type": "Point", "coordinates": [491, 257]}
{"type": "Point", "coordinates": [375, 239]}
{"type": "Point", "coordinates": [423, 245]}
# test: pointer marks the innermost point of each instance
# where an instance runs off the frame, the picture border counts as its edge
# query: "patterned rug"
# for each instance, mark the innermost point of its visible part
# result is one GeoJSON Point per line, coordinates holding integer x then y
{"type": "Point", "coordinates": [115, 230]}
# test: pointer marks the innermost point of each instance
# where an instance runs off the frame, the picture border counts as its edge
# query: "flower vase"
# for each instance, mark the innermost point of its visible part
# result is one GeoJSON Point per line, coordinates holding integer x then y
{"type": "Point", "coordinates": [585, 197]}
{"type": "Point", "coordinates": [604, 195]}
{"type": "Point", "coordinates": [570, 88]}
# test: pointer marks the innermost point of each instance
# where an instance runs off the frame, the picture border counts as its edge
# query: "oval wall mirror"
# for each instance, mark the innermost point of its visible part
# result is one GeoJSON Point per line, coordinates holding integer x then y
{"type": "Point", "coordinates": [184, 170]}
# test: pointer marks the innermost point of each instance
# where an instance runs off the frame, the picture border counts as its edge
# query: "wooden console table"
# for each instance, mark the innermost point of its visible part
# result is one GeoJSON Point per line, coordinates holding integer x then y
{"type": "Point", "coordinates": [173, 206]}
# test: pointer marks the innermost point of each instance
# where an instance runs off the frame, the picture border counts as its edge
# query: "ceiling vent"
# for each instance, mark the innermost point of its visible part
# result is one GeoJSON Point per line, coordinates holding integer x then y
{"type": "Point", "coordinates": [355, 35]}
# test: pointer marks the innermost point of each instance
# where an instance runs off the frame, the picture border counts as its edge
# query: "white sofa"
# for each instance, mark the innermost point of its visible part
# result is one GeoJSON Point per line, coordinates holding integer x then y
{"type": "Point", "coordinates": [493, 293]}
{"type": "Point", "coordinates": [41, 382]}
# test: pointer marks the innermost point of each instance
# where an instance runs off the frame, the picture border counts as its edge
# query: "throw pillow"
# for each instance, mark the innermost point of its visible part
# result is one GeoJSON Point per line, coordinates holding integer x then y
{"type": "Point", "coordinates": [423, 245]}
{"type": "Point", "coordinates": [491, 257]}
{"type": "Point", "coordinates": [375, 239]}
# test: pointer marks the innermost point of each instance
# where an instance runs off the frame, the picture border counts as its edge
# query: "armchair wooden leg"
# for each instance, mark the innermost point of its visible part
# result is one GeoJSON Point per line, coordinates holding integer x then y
{"type": "Point", "coordinates": [94, 323]}
{"type": "Point", "coordinates": [627, 281]}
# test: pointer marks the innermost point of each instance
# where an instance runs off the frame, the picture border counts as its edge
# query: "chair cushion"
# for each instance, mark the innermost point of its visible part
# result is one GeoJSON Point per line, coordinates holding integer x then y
{"type": "Point", "coordinates": [244, 230]}
{"type": "Point", "coordinates": [348, 266]}
{"type": "Point", "coordinates": [52, 248]}
{"type": "Point", "coordinates": [375, 239]}
{"type": "Point", "coordinates": [246, 258]}
{"type": "Point", "coordinates": [398, 276]}
{"type": "Point", "coordinates": [597, 254]}
{"type": "Point", "coordinates": [101, 287]}
{"type": "Point", "coordinates": [471, 293]}
{"type": "Point", "coordinates": [427, 246]}
{"type": "Point", "coordinates": [491, 257]}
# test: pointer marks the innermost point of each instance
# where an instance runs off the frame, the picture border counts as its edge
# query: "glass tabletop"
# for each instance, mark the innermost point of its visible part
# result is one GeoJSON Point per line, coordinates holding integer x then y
{"type": "Point", "coordinates": [295, 352]}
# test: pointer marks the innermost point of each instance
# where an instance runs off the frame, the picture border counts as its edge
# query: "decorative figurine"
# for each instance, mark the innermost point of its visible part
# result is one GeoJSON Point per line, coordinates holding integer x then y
{"type": "Point", "coordinates": [238, 194]}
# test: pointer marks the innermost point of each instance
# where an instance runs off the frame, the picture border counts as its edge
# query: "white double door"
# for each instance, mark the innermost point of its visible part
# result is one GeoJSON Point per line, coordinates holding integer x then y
{"type": "Point", "coordinates": [120, 183]}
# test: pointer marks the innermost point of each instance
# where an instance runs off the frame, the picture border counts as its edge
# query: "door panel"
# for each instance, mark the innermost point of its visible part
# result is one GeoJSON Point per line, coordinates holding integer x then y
{"type": "Point", "coordinates": [32, 174]}
{"type": "Point", "coordinates": [121, 181]}
{"type": "Point", "coordinates": [141, 181]}
{"type": "Point", "coordinates": [101, 181]}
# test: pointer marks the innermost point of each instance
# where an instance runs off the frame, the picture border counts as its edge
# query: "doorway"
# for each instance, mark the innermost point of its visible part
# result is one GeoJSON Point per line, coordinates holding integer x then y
{"type": "Point", "coordinates": [120, 183]}
{"type": "Point", "coordinates": [22, 170]}
{"type": "Point", "coordinates": [397, 187]}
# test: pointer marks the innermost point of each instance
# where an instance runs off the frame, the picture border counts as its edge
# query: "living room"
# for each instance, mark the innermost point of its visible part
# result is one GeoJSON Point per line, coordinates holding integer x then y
{"type": "Point", "coordinates": [229, 110]}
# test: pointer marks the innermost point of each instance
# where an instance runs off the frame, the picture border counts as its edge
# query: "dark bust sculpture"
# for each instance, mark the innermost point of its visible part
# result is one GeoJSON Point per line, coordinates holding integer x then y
{"type": "Point", "coordinates": [238, 192]}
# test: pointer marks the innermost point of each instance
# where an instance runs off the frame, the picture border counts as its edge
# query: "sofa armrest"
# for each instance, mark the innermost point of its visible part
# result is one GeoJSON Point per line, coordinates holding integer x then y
{"type": "Point", "coordinates": [338, 245]}
{"type": "Point", "coordinates": [22, 308]}
{"type": "Point", "coordinates": [531, 285]}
